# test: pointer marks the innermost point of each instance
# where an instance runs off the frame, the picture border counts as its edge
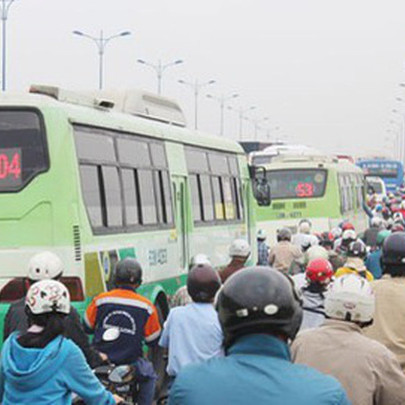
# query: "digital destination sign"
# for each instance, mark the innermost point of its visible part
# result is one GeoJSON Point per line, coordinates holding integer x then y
{"type": "Point", "coordinates": [297, 183]}
{"type": "Point", "coordinates": [10, 168]}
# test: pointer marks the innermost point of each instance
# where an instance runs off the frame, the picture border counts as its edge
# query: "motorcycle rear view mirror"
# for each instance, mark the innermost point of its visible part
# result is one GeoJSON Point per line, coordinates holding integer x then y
{"type": "Point", "coordinates": [111, 334]}
{"type": "Point", "coordinates": [122, 374]}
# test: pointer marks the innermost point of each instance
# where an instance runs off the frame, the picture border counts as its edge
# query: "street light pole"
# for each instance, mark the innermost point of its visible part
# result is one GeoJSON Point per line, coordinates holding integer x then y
{"type": "Point", "coordinates": [5, 7]}
{"type": "Point", "coordinates": [222, 99]}
{"type": "Point", "coordinates": [401, 132]}
{"type": "Point", "coordinates": [101, 44]}
{"type": "Point", "coordinates": [241, 112]}
{"type": "Point", "coordinates": [256, 124]}
{"type": "Point", "coordinates": [159, 69]}
{"type": "Point", "coordinates": [196, 86]}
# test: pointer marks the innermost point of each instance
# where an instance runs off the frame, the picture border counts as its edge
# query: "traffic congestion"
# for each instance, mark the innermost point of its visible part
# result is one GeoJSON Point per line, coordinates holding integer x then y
{"type": "Point", "coordinates": [184, 271]}
{"type": "Point", "coordinates": [202, 203]}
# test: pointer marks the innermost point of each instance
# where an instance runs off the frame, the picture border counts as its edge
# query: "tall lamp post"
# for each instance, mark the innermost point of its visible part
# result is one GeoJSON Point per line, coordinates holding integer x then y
{"type": "Point", "coordinates": [242, 115]}
{"type": "Point", "coordinates": [401, 128]}
{"type": "Point", "coordinates": [196, 86]}
{"type": "Point", "coordinates": [393, 140]}
{"type": "Point", "coordinates": [222, 99]}
{"type": "Point", "coordinates": [269, 130]}
{"type": "Point", "coordinates": [5, 7]}
{"type": "Point", "coordinates": [159, 69]}
{"type": "Point", "coordinates": [256, 125]}
{"type": "Point", "coordinates": [101, 42]}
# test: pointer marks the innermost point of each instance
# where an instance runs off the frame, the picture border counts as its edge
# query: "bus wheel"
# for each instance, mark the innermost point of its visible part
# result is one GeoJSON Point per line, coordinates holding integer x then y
{"type": "Point", "coordinates": [157, 354]}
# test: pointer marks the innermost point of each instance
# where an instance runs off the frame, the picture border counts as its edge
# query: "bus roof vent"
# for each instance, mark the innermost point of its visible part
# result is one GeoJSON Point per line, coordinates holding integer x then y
{"type": "Point", "coordinates": [72, 97]}
{"type": "Point", "coordinates": [146, 105]}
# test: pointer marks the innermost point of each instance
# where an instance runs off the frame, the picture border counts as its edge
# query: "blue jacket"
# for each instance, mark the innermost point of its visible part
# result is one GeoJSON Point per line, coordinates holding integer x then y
{"type": "Point", "coordinates": [258, 371]}
{"type": "Point", "coordinates": [373, 263]}
{"type": "Point", "coordinates": [48, 376]}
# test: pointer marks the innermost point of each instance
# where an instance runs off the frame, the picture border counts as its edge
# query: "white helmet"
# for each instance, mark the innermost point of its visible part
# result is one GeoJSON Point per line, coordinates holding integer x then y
{"type": "Point", "coordinates": [48, 296]}
{"type": "Point", "coordinates": [261, 234]}
{"type": "Point", "coordinates": [305, 228]}
{"type": "Point", "coordinates": [350, 298]}
{"type": "Point", "coordinates": [376, 221]}
{"type": "Point", "coordinates": [240, 248]}
{"type": "Point", "coordinates": [199, 258]}
{"type": "Point", "coordinates": [45, 266]}
{"type": "Point", "coordinates": [349, 234]}
{"type": "Point", "coordinates": [316, 252]}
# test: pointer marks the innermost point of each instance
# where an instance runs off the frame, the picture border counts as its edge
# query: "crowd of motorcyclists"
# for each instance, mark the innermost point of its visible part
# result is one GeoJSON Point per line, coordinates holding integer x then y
{"type": "Point", "coordinates": [319, 319]}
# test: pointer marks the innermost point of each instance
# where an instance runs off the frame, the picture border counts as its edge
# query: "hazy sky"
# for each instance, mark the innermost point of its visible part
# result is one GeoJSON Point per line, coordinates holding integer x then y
{"type": "Point", "coordinates": [326, 72]}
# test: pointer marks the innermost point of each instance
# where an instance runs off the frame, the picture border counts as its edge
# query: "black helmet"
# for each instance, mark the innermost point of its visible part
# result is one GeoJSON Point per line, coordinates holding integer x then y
{"type": "Point", "coordinates": [393, 254]}
{"type": "Point", "coordinates": [128, 271]}
{"type": "Point", "coordinates": [357, 249]}
{"type": "Point", "coordinates": [258, 300]}
{"type": "Point", "coordinates": [203, 282]}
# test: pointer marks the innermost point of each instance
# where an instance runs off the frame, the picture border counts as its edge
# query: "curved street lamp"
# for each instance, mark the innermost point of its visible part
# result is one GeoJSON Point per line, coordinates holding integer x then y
{"type": "Point", "coordinates": [101, 42]}
{"type": "Point", "coordinates": [159, 69]}
{"type": "Point", "coordinates": [222, 100]}
{"type": "Point", "coordinates": [196, 86]}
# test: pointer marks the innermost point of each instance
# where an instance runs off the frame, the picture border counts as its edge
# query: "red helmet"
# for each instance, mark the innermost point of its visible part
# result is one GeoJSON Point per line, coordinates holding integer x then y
{"type": "Point", "coordinates": [347, 226]}
{"type": "Point", "coordinates": [319, 271]}
{"type": "Point", "coordinates": [397, 228]}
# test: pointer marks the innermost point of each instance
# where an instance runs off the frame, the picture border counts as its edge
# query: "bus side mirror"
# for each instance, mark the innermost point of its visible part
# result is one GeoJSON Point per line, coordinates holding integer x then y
{"type": "Point", "coordinates": [261, 186]}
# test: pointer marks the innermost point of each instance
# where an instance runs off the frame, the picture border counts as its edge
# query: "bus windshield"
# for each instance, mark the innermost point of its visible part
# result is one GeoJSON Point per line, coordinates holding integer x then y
{"type": "Point", "coordinates": [297, 183]}
{"type": "Point", "coordinates": [381, 169]}
{"type": "Point", "coordinates": [23, 152]}
{"type": "Point", "coordinates": [376, 186]}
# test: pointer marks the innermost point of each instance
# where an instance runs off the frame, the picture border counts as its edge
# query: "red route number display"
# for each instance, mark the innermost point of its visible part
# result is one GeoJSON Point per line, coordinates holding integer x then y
{"type": "Point", "coordinates": [10, 167]}
{"type": "Point", "coordinates": [304, 190]}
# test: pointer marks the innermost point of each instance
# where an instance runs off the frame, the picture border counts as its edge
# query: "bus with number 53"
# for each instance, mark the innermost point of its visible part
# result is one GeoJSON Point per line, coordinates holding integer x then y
{"type": "Point", "coordinates": [320, 188]}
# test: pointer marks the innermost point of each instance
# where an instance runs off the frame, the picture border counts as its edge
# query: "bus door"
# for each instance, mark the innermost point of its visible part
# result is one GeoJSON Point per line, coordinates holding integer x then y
{"type": "Point", "coordinates": [180, 202]}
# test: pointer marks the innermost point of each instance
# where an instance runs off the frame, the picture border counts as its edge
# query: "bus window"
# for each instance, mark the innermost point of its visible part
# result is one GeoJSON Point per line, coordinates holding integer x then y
{"type": "Point", "coordinates": [207, 197]}
{"type": "Point", "coordinates": [94, 147]}
{"type": "Point", "coordinates": [349, 188]}
{"type": "Point", "coordinates": [92, 194]}
{"type": "Point", "coordinates": [130, 196]}
{"type": "Point", "coordinates": [167, 200]}
{"type": "Point", "coordinates": [23, 152]}
{"type": "Point", "coordinates": [147, 193]}
{"type": "Point", "coordinates": [237, 197]}
{"type": "Point", "coordinates": [343, 194]}
{"type": "Point", "coordinates": [158, 155]}
{"type": "Point", "coordinates": [163, 197]}
{"type": "Point", "coordinates": [218, 198]}
{"type": "Point", "coordinates": [196, 161]}
{"type": "Point", "coordinates": [229, 200]}
{"type": "Point", "coordinates": [218, 163]}
{"type": "Point", "coordinates": [233, 166]}
{"type": "Point", "coordinates": [112, 191]}
{"type": "Point", "coordinates": [133, 152]}
{"type": "Point", "coordinates": [195, 197]}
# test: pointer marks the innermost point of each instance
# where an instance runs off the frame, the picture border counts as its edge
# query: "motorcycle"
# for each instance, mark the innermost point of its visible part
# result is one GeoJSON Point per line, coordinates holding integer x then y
{"type": "Point", "coordinates": [120, 380]}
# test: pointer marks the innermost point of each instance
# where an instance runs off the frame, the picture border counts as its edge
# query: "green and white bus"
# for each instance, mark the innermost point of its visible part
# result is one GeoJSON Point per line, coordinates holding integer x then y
{"type": "Point", "coordinates": [320, 188]}
{"type": "Point", "coordinates": [97, 179]}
